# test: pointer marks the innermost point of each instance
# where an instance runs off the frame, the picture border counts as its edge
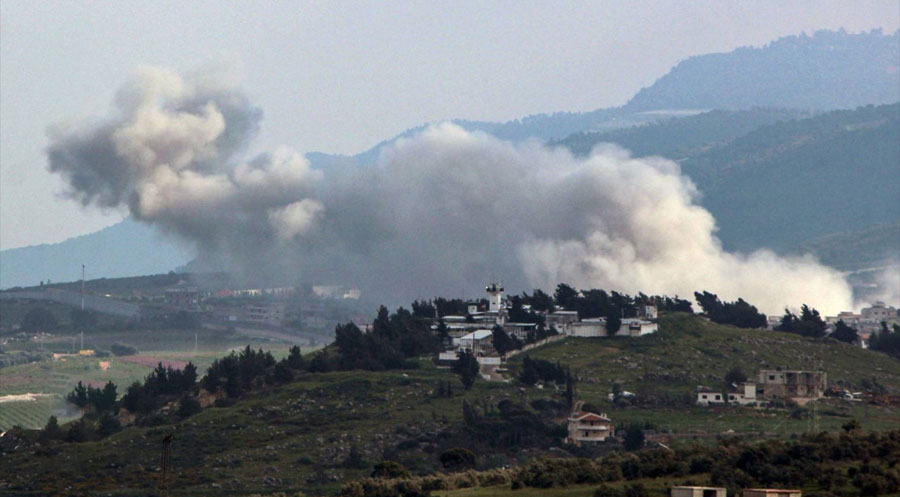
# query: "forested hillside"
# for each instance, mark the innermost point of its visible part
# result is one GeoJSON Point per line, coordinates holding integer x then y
{"type": "Point", "coordinates": [680, 137]}
{"type": "Point", "coordinates": [829, 70]}
{"type": "Point", "coordinates": [797, 180]}
{"type": "Point", "coordinates": [786, 181]}
{"type": "Point", "coordinates": [128, 248]}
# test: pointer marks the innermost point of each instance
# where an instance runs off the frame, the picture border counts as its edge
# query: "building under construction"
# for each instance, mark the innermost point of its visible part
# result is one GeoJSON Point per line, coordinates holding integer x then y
{"type": "Point", "coordinates": [783, 384]}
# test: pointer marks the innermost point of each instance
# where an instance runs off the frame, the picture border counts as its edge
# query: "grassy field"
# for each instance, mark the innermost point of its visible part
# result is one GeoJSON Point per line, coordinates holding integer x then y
{"type": "Point", "coordinates": [689, 351]}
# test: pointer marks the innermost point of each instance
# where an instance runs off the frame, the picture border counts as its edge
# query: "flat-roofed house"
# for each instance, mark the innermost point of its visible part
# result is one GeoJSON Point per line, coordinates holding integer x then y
{"type": "Point", "coordinates": [792, 384]}
{"type": "Point", "coordinates": [636, 327]}
{"type": "Point", "coordinates": [595, 327]}
{"type": "Point", "coordinates": [687, 491]}
{"type": "Point", "coordinates": [770, 492]}
{"type": "Point", "coordinates": [480, 342]}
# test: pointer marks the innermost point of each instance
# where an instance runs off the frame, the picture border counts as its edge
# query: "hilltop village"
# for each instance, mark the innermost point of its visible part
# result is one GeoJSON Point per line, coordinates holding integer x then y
{"type": "Point", "coordinates": [579, 373]}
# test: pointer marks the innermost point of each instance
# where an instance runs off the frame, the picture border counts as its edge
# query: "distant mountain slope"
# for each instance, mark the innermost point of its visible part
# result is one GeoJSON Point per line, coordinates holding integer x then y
{"type": "Point", "coordinates": [830, 70]}
{"type": "Point", "coordinates": [677, 137]}
{"type": "Point", "coordinates": [787, 180]}
{"type": "Point", "coordinates": [128, 248]}
{"type": "Point", "coordinates": [826, 71]}
{"type": "Point", "coordinates": [873, 246]}
{"type": "Point", "coordinates": [544, 127]}
{"type": "Point", "coordinates": [796, 180]}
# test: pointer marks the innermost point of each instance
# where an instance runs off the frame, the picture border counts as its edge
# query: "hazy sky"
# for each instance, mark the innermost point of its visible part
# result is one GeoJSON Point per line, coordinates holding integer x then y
{"type": "Point", "coordinates": [342, 76]}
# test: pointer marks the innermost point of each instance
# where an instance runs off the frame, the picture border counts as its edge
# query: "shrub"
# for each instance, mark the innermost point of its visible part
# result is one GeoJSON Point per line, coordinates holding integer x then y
{"type": "Point", "coordinates": [607, 491]}
{"type": "Point", "coordinates": [79, 431]}
{"type": "Point", "coordinates": [457, 459]}
{"type": "Point", "coordinates": [390, 469]}
{"type": "Point", "coordinates": [188, 406]}
{"type": "Point", "coordinates": [635, 490]}
{"type": "Point", "coordinates": [108, 425]}
{"type": "Point", "coordinates": [51, 430]}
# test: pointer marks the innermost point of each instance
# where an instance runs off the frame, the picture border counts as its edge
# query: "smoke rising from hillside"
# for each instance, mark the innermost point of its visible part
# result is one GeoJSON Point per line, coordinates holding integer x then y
{"type": "Point", "coordinates": [438, 214]}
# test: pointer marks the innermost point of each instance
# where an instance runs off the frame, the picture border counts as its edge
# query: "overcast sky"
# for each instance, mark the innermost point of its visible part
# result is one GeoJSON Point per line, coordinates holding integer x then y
{"type": "Point", "coordinates": [342, 76]}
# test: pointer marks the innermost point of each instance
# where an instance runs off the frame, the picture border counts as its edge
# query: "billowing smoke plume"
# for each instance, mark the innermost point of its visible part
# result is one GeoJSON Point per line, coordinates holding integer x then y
{"type": "Point", "coordinates": [437, 215]}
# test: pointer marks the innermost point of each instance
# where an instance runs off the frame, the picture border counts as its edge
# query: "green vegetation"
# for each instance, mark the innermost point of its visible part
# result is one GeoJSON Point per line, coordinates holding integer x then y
{"type": "Point", "coordinates": [690, 351]}
{"type": "Point", "coordinates": [850, 463]}
{"type": "Point", "coordinates": [762, 170]}
{"type": "Point", "coordinates": [316, 430]}
{"type": "Point", "coordinates": [808, 324]}
{"type": "Point", "coordinates": [738, 313]}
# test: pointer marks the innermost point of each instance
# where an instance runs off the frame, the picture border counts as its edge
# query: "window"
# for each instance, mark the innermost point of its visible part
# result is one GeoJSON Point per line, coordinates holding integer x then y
{"type": "Point", "coordinates": [771, 377]}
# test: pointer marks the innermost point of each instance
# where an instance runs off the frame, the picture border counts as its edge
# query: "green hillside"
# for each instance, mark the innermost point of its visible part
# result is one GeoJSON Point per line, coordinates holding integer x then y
{"type": "Point", "coordinates": [299, 436]}
{"type": "Point", "coordinates": [776, 180]}
{"type": "Point", "coordinates": [873, 246]}
{"type": "Point", "coordinates": [681, 137]}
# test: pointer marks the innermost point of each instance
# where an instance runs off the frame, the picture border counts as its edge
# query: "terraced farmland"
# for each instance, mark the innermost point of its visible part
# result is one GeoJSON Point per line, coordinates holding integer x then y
{"type": "Point", "coordinates": [33, 413]}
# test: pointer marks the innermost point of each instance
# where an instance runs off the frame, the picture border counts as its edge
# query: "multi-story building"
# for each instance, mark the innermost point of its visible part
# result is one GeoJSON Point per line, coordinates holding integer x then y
{"type": "Point", "coordinates": [588, 427]}
{"type": "Point", "coordinates": [793, 384]}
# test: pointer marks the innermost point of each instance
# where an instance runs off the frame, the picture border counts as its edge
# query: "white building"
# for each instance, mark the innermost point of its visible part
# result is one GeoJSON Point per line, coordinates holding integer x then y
{"type": "Point", "coordinates": [561, 318]}
{"type": "Point", "coordinates": [589, 328]}
{"type": "Point", "coordinates": [636, 327]}
{"type": "Point", "coordinates": [745, 394]}
{"type": "Point", "coordinates": [495, 297]}
{"type": "Point", "coordinates": [588, 427]}
{"type": "Point", "coordinates": [698, 492]}
{"type": "Point", "coordinates": [480, 342]}
{"type": "Point", "coordinates": [647, 311]}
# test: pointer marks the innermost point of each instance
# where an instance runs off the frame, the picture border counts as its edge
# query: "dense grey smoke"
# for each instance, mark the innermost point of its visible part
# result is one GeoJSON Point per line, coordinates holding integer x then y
{"type": "Point", "coordinates": [438, 214]}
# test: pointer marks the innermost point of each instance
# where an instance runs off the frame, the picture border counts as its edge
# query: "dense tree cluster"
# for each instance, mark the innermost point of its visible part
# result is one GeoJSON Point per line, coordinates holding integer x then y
{"type": "Point", "coordinates": [100, 399]}
{"type": "Point", "coordinates": [235, 373]}
{"type": "Point", "coordinates": [844, 333]}
{"type": "Point", "coordinates": [466, 366]}
{"type": "Point", "coordinates": [534, 370]}
{"type": "Point", "coordinates": [509, 424]}
{"type": "Point", "coordinates": [160, 386]}
{"type": "Point", "coordinates": [809, 323]}
{"type": "Point", "coordinates": [886, 341]}
{"type": "Point", "coordinates": [394, 339]}
{"type": "Point", "coordinates": [738, 313]}
{"type": "Point", "coordinates": [503, 342]}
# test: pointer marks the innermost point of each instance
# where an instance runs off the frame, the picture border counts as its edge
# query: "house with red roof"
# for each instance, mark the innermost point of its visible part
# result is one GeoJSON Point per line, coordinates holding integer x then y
{"type": "Point", "coordinates": [587, 427]}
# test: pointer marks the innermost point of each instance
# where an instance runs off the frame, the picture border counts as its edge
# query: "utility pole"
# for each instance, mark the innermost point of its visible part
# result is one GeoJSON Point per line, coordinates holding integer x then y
{"type": "Point", "coordinates": [82, 341]}
{"type": "Point", "coordinates": [82, 294]}
{"type": "Point", "coordinates": [195, 344]}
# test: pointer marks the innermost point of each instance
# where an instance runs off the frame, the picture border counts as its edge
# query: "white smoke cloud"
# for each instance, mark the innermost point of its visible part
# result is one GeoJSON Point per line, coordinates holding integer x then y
{"type": "Point", "coordinates": [438, 214]}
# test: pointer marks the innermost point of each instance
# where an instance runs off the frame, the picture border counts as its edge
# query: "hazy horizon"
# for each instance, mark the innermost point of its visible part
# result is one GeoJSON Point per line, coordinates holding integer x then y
{"type": "Point", "coordinates": [341, 80]}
